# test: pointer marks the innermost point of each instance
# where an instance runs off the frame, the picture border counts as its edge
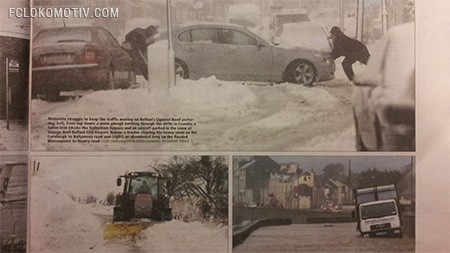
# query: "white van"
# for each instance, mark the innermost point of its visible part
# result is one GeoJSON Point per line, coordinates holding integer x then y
{"type": "Point", "coordinates": [380, 218]}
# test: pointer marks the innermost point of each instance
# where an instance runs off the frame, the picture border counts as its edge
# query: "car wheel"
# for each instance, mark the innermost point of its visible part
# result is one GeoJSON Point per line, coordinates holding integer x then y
{"type": "Point", "coordinates": [301, 72]}
{"type": "Point", "coordinates": [181, 70]}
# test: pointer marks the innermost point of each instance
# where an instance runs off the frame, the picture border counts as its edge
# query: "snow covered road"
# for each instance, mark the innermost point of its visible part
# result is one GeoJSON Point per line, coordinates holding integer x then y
{"type": "Point", "coordinates": [230, 116]}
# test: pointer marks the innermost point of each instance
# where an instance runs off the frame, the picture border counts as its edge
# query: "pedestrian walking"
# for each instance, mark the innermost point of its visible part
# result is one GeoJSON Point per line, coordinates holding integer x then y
{"type": "Point", "coordinates": [352, 49]}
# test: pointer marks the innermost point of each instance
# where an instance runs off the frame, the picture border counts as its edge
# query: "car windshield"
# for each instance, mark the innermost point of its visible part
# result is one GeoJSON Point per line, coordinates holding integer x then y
{"type": "Point", "coordinates": [145, 184]}
{"type": "Point", "coordinates": [61, 35]}
{"type": "Point", "coordinates": [378, 210]}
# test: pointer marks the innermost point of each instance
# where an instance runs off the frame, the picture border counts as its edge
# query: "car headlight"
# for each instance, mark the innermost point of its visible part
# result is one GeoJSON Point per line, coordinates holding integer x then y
{"type": "Point", "coordinates": [324, 58]}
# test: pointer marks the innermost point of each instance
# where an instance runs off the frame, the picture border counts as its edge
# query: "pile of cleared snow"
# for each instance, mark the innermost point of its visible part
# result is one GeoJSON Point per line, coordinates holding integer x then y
{"type": "Point", "coordinates": [16, 138]}
{"type": "Point", "coordinates": [59, 223]}
{"type": "Point", "coordinates": [178, 236]}
{"type": "Point", "coordinates": [224, 98]}
{"type": "Point", "coordinates": [229, 115]}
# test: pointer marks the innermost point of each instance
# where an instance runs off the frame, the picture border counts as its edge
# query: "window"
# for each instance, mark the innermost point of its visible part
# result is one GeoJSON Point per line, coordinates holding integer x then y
{"type": "Point", "coordinates": [205, 35]}
{"type": "Point", "coordinates": [237, 38]}
{"type": "Point", "coordinates": [184, 37]}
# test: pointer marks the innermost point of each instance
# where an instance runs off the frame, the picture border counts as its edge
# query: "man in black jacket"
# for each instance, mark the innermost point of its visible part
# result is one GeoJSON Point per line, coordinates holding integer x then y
{"type": "Point", "coordinates": [136, 43]}
{"type": "Point", "coordinates": [351, 49]}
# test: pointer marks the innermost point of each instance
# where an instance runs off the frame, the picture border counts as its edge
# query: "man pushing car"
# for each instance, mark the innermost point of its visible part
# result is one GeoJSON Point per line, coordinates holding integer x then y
{"type": "Point", "coordinates": [136, 43]}
{"type": "Point", "coordinates": [353, 50]}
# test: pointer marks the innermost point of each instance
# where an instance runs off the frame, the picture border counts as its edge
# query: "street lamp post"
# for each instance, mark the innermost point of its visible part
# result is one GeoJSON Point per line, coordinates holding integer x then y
{"type": "Point", "coordinates": [171, 54]}
{"type": "Point", "coordinates": [384, 16]}
{"type": "Point", "coordinates": [360, 20]}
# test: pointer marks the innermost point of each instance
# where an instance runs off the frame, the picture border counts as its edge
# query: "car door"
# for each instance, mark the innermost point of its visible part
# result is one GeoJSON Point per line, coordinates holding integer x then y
{"type": "Point", "coordinates": [202, 52]}
{"type": "Point", "coordinates": [118, 57]}
{"type": "Point", "coordinates": [246, 57]}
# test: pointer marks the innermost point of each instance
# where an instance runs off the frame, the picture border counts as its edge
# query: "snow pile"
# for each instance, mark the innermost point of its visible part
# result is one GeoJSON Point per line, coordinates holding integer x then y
{"type": "Point", "coordinates": [184, 237]}
{"type": "Point", "coordinates": [16, 138]}
{"type": "Point", "coordinates": [228, 115]}
{"type": "Point", "coordinates": [59, 223]}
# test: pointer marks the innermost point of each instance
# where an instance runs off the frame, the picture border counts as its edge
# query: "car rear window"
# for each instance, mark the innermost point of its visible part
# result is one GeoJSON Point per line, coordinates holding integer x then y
{"type": "Point", "coordinates": [63, 35]}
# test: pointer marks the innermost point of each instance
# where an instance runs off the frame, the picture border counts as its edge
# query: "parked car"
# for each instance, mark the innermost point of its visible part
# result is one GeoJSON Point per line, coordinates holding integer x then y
{"type": "Point", "coordinates": [231, 52]}
{"type": "Point", "coordinates": [305, 34]}
{"type": "Point", "coordinates": [384, 96]}
{"type": "Point", "coordinates": [78, 57]}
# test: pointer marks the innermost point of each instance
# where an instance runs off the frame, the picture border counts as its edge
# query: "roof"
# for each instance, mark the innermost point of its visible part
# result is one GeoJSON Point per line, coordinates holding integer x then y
{"type": "Point", "coordinates": [284, 178]}
{"type": "Point", "coordinates": [207, 24]}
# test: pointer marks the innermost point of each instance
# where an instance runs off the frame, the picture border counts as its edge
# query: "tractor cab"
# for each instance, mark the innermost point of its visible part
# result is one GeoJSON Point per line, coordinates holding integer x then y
{"type": "Point", "coordinates": [144, 195]}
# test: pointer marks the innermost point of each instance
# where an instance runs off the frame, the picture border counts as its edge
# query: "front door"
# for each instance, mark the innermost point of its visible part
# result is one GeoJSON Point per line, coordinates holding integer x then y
{"type": "Point", "coordinates": [245, 58]}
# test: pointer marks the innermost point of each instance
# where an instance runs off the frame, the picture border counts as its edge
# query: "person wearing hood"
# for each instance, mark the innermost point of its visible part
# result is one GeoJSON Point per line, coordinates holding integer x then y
{"type": "Point", "coordinates": [353, 50]}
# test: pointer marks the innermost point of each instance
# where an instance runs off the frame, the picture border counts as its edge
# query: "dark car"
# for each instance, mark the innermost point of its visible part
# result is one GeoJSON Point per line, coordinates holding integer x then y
{"type": "Point", "coordinates": [384, 95]}
{"type": "Point", "coordinates": [78, 58]}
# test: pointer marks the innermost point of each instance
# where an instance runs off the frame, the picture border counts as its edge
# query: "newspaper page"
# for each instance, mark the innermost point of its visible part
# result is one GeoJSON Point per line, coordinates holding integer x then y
{"type": "Point", "coordinates": [223, 126]}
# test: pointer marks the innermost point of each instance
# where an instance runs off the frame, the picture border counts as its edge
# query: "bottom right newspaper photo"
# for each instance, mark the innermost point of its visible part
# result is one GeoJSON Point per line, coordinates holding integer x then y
{"type": "Point", "coordinates": [323, 203]}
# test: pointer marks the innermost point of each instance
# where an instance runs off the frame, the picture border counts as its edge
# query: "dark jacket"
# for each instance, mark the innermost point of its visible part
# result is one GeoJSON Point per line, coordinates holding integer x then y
{"type": "Point", "coordinates": [348, 47]}
{"type": "Point", "coordinates": [138, 38]}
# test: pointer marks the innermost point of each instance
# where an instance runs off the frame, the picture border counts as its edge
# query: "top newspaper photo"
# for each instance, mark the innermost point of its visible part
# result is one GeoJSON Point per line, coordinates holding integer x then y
{"type": "Point", "coordinates": [228, 75]}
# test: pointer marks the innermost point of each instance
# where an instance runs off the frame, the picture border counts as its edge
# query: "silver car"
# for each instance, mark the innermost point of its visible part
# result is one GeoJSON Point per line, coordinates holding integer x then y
{"type": "Point", "coordinates": [231, 52]}
{"type": "Point", "coordinates": [384, 96]}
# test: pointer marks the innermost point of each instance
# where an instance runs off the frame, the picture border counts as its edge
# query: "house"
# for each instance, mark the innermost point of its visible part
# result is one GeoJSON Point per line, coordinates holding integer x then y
{"type": "Point", "coordinates": [291, 188]}
{"type": "Point", "coordinates": [331, 192]}
{"type": "Point", "coordinates": [251, 180]}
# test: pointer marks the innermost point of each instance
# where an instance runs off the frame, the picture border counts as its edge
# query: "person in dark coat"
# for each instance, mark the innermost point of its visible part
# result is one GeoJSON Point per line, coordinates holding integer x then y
{"type": "Point", "coordinates": [136, 43]}
{"type": "Point", "coordinates": [353, 50]}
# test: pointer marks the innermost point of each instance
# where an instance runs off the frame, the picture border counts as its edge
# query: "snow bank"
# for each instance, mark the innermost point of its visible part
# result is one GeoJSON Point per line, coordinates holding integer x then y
{"type": "Point", "coordinates": [60, 224]}
{"type": "Point", "coordinates": [229, 115]}
{"type": "Point", "coordinates": [178, 236]}
{"type": "Point", "coordinates": [16, 138]}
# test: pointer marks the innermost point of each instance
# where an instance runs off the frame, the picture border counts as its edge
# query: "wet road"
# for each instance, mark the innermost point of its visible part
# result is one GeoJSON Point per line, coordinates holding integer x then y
{"type": "Point", "coordinates": [340, 237]}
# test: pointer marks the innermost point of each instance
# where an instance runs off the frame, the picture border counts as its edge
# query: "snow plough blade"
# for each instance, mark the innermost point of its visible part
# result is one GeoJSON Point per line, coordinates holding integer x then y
{"type": "Point", "coordinates": [124, 229]}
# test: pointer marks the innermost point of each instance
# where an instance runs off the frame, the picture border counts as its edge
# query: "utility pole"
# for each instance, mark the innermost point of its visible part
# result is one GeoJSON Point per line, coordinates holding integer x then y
{"type": "Point", "coordinates": [384, 16]}
{"type": "Point", "coordinates": [360, 20]}
{"type": "Point", "coordinates": [171, 54]}
{"type": "Point", "coordinates": [341, 15]}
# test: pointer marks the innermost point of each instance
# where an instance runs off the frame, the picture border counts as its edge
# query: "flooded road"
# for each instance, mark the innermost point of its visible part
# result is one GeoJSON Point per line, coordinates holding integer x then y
{"type": "Point", "coordinates": [339, 237]}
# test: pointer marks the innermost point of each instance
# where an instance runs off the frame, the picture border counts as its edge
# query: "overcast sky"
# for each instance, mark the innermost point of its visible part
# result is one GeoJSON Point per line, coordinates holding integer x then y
{"type": "Point", "coordinates": [358, 163]}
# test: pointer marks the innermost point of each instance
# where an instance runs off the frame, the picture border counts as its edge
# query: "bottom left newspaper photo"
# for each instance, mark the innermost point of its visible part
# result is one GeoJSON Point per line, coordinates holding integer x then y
{"type": "Point", "coordinates": [129, 204]}
{"type": "Point", "coordinates": [13, 203]}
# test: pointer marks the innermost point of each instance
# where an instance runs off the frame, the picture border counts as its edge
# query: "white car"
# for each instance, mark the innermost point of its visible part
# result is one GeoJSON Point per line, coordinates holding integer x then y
{"type": "Point", "coordinates": [384, 96]}
{"type": "Point", "coordinates": [231, 52]}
